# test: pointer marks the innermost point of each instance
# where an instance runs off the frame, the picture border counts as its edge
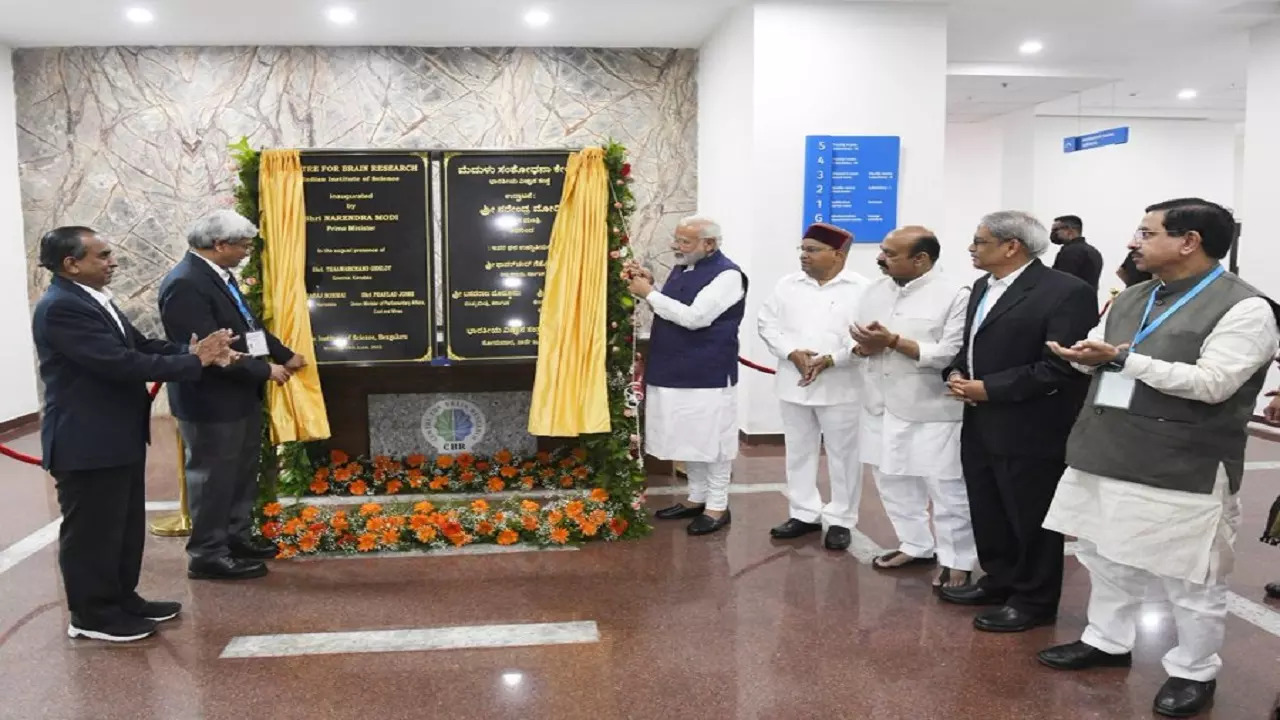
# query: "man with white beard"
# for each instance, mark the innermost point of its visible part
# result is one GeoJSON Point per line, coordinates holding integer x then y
{"type": "Point", "coordinates": [910, 326]}
{"type": "Point", "coordinates": [691, 400]}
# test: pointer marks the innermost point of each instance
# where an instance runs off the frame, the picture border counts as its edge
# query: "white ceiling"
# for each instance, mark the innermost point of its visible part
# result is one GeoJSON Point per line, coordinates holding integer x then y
{"type": "Point", "coordinates": [1100, 57]}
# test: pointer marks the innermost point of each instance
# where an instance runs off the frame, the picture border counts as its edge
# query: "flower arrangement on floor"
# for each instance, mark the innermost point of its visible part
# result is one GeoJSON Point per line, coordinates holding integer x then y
{"type": "Point", "coordinates": [464, 473]}
{"type": "Point", "coordinates": [306, 529]}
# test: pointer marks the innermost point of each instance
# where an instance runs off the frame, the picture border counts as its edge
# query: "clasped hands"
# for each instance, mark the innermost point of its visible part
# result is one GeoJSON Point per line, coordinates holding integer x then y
{"type": "Point", "coordinates": [810, 364]}
{"type": "Point", "coordinates": [639, 280]}
{"type": "Point", "coordinates": [215, 349]}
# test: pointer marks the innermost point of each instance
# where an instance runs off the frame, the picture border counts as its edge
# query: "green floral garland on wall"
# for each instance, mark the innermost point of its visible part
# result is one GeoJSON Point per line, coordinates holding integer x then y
{"type": "Point", "coordinates": [615, 456]}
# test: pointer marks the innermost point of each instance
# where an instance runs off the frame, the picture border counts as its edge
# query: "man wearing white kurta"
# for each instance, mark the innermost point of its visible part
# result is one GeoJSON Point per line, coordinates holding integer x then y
{"type": "Point", "coordinates": [1157, 454]}
{"type": "Point", "coordinates": [691, 400]}
{"type": "Point", "coordinates": [910, 326]}
{"type": "Point", "coordinates": [805, 325]}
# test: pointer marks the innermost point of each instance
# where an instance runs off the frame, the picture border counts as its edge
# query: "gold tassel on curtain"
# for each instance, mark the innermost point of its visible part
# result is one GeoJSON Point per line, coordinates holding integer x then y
{"type": "Point", "coordinates": [570, 394]}
{"type": "Point", "coordinates": [297, 407]}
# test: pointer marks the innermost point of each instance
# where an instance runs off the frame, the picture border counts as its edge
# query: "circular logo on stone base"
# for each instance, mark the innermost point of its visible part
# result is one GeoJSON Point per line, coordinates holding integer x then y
{"type": "Point", "coordinates": [453, 426]}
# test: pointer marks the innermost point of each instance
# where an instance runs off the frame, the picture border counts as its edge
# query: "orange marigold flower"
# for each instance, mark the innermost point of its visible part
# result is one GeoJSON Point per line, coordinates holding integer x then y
{"type": "Point", "coordinates": [451, 528]}
{"type": "Point", "coordinates": [529, 506]}
{"type": "Point", "coordinates": [415, 460]}
{"type": "Point", "coordinates": [379, 475]}
{"type": "Point", "coordinates": [466, 459]}
{"type": "Point", "coordinates": [567, 462]}
{"type": "Point", "coordinates": [599, 495]}
{"type": "Point", "coordinates": [376, 524]}
{"type": "Point", "coordinates": [337, 457]}
{"type": "Point", "coordinates": [459, 539]}
{"type": "Point", "coordinates": [480, 506]}
{"type": "Point", "coordinates": [317, 527]}
{"type": "Point", "coordinates": [544, 457]}
{"type": "Point", "coordinates": [381, 460]}
{"type": "Point", "coordinates": [391, 537]}
{"type": "Point", "coordinates": [555, 517]}
{"type": "Point", "coordinates": [581, 472]}
{"type": "Point", "coordinates": [397, 521]}
{"type": "Point", "coordinates": [293, 527]}
{"type": "Point", "coordinates": [589, 529]}
{"type": "Point", "coordinates": [467, 477]}
{"type": "Point", "coordinates": [485, 528]}
{"type": "Point", "coordinates": [528, 465]}
{"type": "Point", "coordinates": [509, 471]}
{"type": "Point", "coordinates": [426, 534]}
{"type": "Point", "coordinates": [321, 474]}
{"type": "Point", "coordinates": [567, 481]}
{"type": "Point", "coordinates": [318, 487]}
{"type": "Point", "coordinates": [394, 487]}
{"type": "Point", "coordinates": [559, 536]}
{"type": "Point", "coordinates": [530, 522]}
{"type": "Point", "coordinates": [272, 509]}
{"type": "Point", "coordinates": [368, 541]}
{"type": "Point", "coordinates": [482, 466]}
{"type": "Point", "coordinates": [547, 472]}
{"type": "Point", "coordinates": [339, 524]}
{"type": "Point", "coordinates": [368, 509]}
{"type": "Point", "coordinates": [574, 508]}
{"type": "Point", "coordinates": [309, 542]}
{"type": "Point", "coordinates": [309, 514]}
{"type": "Point", "coordinates": [424, 507]}
{"type": "Point", "coordinates": [417, 522]}
{"type": "Point", "coordinates": [618, 525]}
{"type": "Point", "coordinates": [444, 462]}
{"type": "Point", "coordinates": [508, 537]}
{"type": "Point", "coordinates": [502, 456]}
{"type": "Point", "coordinates": [271, 530]}
{"type": "Point", "coordinates": [499, 518]}
{"type": "Point", "coordinates": [286, 551]}
{"type": "Point", "coordinates": [526, 483]}
{"type": "Point", "coordinates": [342, 474]}
{"type": "Point", "coordinates": [598, 517]}
{"type": "Point", "coordinates": [439, 483]}
{"type": "Point", "coordinates": [580, 453]}
{"type": "Point", "coordinates": [358, 488]}
{"type": "Point", "coordinates": [496, 485]}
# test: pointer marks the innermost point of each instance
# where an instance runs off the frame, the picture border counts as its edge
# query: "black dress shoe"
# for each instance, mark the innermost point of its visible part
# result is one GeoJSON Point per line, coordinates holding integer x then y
{"type": "Point", "coordinates": [680, 511]}
{"type": "Point", "coordinates": [1010, 620]}
{"type": "Point", "coordinates": [254, 550]}
{"type": "Point", "coordinates": [794, 528]}
{"type": "Point", "coordinates": [226, 568]}
{"type": "Point", "coordinates": [838, 538]}
{"type": "Point", "coordinates": [705, 524]}
{"type": "Point", "coordinates": [119, 627]}
{"type": "Point", "coordinates": [154, 611]}
{"type": "Point", "coordinates": [972, 594]}
{"type": "Point", "coordinates": [1273, 590]}
{"type": "Point", "coordinates": [1081, 656]}
{"type": "Point", "coordinates": [1180, 698]}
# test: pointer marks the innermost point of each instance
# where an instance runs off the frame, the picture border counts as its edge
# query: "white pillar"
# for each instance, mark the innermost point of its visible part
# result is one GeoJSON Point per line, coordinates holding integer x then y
{"type": "Point", "coordinates": [1259, 253]}
{"type": "Point", "coordinates": [17, 357]}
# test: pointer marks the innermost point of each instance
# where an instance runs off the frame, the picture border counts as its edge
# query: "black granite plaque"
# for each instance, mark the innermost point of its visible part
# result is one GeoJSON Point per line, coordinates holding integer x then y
{"type": "Point", "coordinates": [498, 212]}
{"type": "Point", "coordinates": [368, 256]}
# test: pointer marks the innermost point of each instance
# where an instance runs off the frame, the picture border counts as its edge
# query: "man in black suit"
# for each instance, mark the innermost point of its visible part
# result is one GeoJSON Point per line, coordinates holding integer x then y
{"type": "Point", "coordinates": [220, 413]}
{"type": "Point", "coordinates": [1021, 403]}
{"type": "Point", "coordinates": [96, 426]}
{"type": "Point", "coordinates": [1077, 257]}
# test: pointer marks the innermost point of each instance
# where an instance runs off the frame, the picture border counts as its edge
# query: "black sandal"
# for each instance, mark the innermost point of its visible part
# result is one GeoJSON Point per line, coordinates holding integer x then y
{"type": "Point", "coordinates": [878, 562]}
{"type": "Point", "coordinates": [945, 577]}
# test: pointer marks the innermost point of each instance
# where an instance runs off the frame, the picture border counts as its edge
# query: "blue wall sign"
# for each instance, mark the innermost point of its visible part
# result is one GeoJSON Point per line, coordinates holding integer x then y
{"type": "Point", "coordinates": [1102, 138]}
{"type": "Point", "coordinates": [852, 182]}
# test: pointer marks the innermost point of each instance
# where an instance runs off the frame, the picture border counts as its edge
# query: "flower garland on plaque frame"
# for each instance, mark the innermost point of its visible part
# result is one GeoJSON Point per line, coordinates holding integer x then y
{"type": "Point", "coordinates": [603, 480]}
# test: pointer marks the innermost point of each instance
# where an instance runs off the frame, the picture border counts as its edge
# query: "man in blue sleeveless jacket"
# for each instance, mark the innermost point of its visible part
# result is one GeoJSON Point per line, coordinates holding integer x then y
{"type": "Point", "coordinates": [691, 400]}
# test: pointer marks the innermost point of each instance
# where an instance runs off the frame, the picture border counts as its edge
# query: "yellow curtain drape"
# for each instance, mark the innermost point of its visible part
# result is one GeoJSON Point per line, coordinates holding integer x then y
{"type": "Point", "coordinates": [570, 394]}
{"type": "Point", "coordinates": [297, 407]}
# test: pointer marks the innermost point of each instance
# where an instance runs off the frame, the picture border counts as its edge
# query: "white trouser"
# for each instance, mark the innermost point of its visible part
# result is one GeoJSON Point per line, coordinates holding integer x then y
{"type": "Point", "coordinates": [1199, 613]}
{"type": "Point", "coordinates": [709, 483]}
{"type": "Point", "coordinates": [906, 502]}
{"type": "Point", "coordinates": [806, 428]}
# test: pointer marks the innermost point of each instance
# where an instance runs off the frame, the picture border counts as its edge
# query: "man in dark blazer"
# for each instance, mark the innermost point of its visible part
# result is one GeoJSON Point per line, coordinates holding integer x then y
{"type": "Point", "coordinates": [1077, 257]}
{"type": "Point", "coordinates": [1021, 403]}
{"type": "Point", "coordinates": [220, 413]}
{"type": "Point", "coordinates": [96, 426]}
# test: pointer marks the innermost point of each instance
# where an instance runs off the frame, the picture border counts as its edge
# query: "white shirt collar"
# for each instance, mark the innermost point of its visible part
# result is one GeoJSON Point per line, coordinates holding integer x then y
{"type": "Point", "coordinates": [103, 296]}
{"type": "Point", "coordinates": [845, 276]}
{"type": "Point", "coordinates": [1009, 279]}
{"type": "Point", "coordinates": [222, 272]}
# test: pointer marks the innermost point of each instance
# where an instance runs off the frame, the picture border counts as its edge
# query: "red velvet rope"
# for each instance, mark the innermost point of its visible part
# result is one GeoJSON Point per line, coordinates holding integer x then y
{"type": "Point", "coordinates": [32, 460]}
{"type": "Point", "coordinates": [753, 366]}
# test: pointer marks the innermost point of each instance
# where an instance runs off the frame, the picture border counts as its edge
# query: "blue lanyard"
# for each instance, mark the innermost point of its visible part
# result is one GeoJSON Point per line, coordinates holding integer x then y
{"type": "Point", "coordinates": [1145, 330]}
{"type": "Point", "coordinates": [980, 313]}
{"type": "Point", "coordinates": [244, 309]}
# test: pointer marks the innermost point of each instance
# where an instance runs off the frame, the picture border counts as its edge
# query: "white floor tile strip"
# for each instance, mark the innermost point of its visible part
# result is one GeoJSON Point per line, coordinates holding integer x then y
{"type": "Point", "coordinates": [447, 552]}
{"type": "Point", "coordinates": [1262, 465]}
{"type": "Point", "coordinates": [29, 545]}
{"type": "Point", "coordinates": [413, 640]}
{"type": "Point", "coordinates": [734, 489]}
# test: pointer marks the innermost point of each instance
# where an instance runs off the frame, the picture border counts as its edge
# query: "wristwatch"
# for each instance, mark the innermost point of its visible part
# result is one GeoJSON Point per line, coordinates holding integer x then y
{"type": "Point", "coordinates": [1117, 363]}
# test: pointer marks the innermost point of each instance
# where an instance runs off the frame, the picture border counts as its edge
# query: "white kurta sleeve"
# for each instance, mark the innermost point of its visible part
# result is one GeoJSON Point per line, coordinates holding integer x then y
{"type": "Point", "coordinates": [710, 303]}
{"type": "Point", "coordinates": [939, 355]}
{"type": "Point", "coordinates": [769, 324]}
{"type": "Point", "coordinates": [1244, 340]}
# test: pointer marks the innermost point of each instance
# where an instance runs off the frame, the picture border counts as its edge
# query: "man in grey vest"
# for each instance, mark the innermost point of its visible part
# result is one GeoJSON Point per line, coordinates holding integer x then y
{"type": "Point", "coordinates": [1156, 456]}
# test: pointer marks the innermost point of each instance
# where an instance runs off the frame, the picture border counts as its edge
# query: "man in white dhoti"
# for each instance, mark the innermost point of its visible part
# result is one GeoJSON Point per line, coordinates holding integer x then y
{"type": "Point", "coordinates": [1157, 454]}
{"type": "Point", "coordinates": [910, 326]}
{"type": "Point", "coordinates": [691, 400]}
{"type": "Point", "coordinates": [805, 325]}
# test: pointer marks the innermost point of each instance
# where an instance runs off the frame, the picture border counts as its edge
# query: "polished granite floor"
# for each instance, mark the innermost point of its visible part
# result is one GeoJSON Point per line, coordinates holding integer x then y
{"type": "Point", "coordinates": [730, 626]}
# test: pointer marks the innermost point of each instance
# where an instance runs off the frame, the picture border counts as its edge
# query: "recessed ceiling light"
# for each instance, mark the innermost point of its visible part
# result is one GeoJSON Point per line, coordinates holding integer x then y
{"type": "Point", "coordinates": [1031, 47]}
{"type": "Point", "coordinates": [537, 18]}
{"type": "Point", "coordinates": [341, 15]}
{"type": "Point", "coordinates": [1187, 94]}
{"type": "Point", "coordinates": [139, 15]}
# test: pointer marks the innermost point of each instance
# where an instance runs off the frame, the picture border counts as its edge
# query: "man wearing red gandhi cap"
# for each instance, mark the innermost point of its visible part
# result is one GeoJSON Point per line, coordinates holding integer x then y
{"type": "Point", "coordinates": [805, 323]}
